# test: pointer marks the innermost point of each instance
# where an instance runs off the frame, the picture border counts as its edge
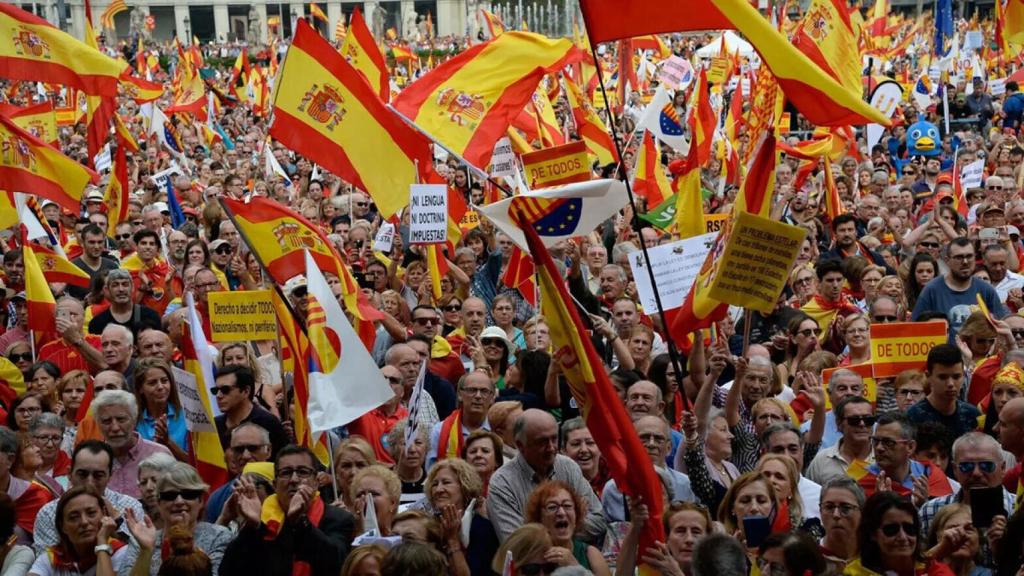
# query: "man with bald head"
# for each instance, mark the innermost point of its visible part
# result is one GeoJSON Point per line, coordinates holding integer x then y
{"type": "Point", "coordinates": [156, 344]}
{"type": "Point", "coordinates": [536, 437]}
{"type": "Point", "coordinates": [408, 362]}
{"type": "Point", "coordinates": [73, 350]}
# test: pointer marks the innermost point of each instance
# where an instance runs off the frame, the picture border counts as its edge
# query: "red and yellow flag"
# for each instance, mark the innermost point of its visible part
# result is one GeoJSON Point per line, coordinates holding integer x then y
{"type": "Point", "coordinates": [604, 414]}
{"type": "Point", "coordinates": [115, 7]}
{"type": "Point", "coordinates": [702, 120]}
{"type": "Point", "coordinates": [833, 203]}
{"type": "Point", "coordinates": [317, 12]}
{"type": "Point", "coordinates": [689, 197]}
{"type": "Point", "coordinates": [38, 120]}
{"type": "Point", "coordinates": [550, 131]}
{"type": "Point", "coordinates": [116, 194]}
{"type": "Point", "coordinates": [650, 180]}
{"type": "Point", "coordinates": [362, 52]}
{"type": "Point", "coordinates": [57, 268]}
{"type": "Point", "coordinates": [42, 308]}
{"type": "Point", "coordinates": [324, 110]}
{"type": "Point", "coordinates": [519, 275]}
{"type": "Point", "coordinates": [207, 452]}
{"type": "Point", "coordinates": [140, 90]}
{"type": "Point", "coordinates": [826, 36]}
{"type": "Point", "coordinates": [468, 102]}
{"type": "Point", "coordinates": [28, 163]}
{"type": "Point", "coordinates": [589, 126]}
{"type": "Point", "coordinates": [1013, 22]}
{"type": "Point", "coordinates": [437, 266]}
{"type": "Point", "coordinates": [32, 49]}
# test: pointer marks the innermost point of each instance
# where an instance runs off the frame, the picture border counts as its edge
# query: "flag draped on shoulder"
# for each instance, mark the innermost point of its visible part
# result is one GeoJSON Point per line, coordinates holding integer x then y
{"type": "Point", "coordinates": [604, 414]}
{"type": "Point", "coordinates": [27, 163]}
{"type": "Point", "coordinates": [326, 111]}
{"type": "Point", "coordinates": [207, 452]}
{"type": "Point", "coordinates": [362, 52]}
{"type": "Point", "coordinates": [468, 102]}
{"type": "Point", "coordinates": [32, 49]}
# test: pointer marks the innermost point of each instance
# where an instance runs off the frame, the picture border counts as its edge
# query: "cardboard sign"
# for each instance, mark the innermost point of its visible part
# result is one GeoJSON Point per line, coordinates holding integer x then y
{"type": "Point", "coordinates": [503, 161]}
{"type": "Point", "coordinates": [428, 213]}
{"type": "Point", "coordinates": [385, 238]}
{"type": "Point", "coordinates": [676, 73]}
{"type": "Point", "coordinates": [557, 165]}
{"type": "Point", "coordinates": [719, 69]}
{"type": "Point", "coordinates": [972, 174]}
{"type": "Point", "coordinates": [865, 371]}
{"type": "Point", "coordinates": [245, 315]}
{"type": "Point", "coordinates": [900, 346]}
{"type": "Point", "coordinates": [470, 220]}
{"type": "Point", "coordinates": [714, 222]}
{"type": "Point", "coordinates": [997, 87]}
{"type": "Point", "coordinates": [675, 267]}
{"type": "Point", "coordinates": [756, 262]}
{"type": "Point", "coordinates": [160, 178]}
{"type": "Point", "coordinates": [196, 418]}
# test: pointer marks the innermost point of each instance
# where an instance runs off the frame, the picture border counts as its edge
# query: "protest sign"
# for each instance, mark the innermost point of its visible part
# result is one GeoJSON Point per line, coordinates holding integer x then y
{"type": "Point", "coordinates": [972, 174]}
{"type": "Point", "coordinates": [196, 418]}
{"type": "Point", "coordinates": [470, 220]}
{"type": "Point", "coordinates": [675, 266]}
{"type": "Point", "coordinates": [385, 237]}
{"type": "Point", "coordinates": [428, 214]}
{"type": "Point", "coordinates": [714, 222]}
{"type": "Point", "coordinates": [503, 161]}
{"type": "Point", "coordinates": [900, 346]}
{"type": "Point", "coordinates": [756, 261]}
{"type": "Point", "coordinates": [160, 178]}
{"type": "Point", "coordinates": [997, 87]}
{"type": "Point", "coordinates": [865, 371]}
{"type": "Point", "coordinates": [719, 69]}
{"type": "Point", "coordinates": [245, 315]}
{"type": "Point", "coordinates": [557, 165]}
{"type": "Point", "coordinates": [102, 160]}
{"type": "Point", "coordinates": [676, 73]}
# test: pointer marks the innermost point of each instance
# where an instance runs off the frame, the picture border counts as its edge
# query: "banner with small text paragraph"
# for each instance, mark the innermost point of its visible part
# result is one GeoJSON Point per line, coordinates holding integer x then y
{"type": "Point", "coordinates": [242, 316]}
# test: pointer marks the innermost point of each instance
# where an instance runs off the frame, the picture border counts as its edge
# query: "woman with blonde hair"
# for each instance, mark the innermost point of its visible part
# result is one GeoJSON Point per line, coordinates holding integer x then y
{"type": "Point", "coordinates": [383, 487]}
{"type": "Point", "coordinates": [451, 487]}
{"type": "Point", "coordinates": [955, 541]}
{"type": "Point", "coordinates": [752, 494]}
{"type": "Point", "coordinates": [781, 471]}
{"type": "Point", "coordinates": [892, 287]}
{"type": "Point", "coordinates": [393, 303]}
{"type": "Point", "coordinates": [803, 283]}
{"type": "Point", "coordinates": [364, 560]}
{"type": "Point", "coordinates": [71, 389]}
{"type": "Point", "coordinates": [350, 456]}
{"type": "Point", "coordinates": [529, 546]}
{"type": "Point", "coordinates": [502, 418]}
{"type": "Point", "coordinates": [240, 353]}
{"type": "Point", "coordinates": [857, 333]}
{"type": "Point", "coordinates": [537, 333]}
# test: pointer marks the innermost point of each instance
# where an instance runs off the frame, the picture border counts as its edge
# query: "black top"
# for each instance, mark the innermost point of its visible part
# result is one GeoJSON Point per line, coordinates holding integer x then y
{"type": "Point", "coordinates": [142, 317]}
{"type": "Point", "coordinates": [106, 265]}
{"type": "Point", "coordinates": [278, 437]}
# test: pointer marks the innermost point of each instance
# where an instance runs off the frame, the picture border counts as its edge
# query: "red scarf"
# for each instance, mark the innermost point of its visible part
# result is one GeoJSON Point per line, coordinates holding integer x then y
{"type": "Point", "coordinates": [63, 562]}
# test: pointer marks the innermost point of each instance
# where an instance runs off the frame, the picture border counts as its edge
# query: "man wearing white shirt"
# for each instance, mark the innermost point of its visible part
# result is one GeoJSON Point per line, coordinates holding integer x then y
{"type": "Point", "coordinates": [995, 258]}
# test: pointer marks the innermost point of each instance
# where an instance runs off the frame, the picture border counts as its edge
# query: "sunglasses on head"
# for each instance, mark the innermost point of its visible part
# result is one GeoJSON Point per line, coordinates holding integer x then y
{"type": "Point", "coordinates": [986, 466]}
{"type": "Point", "coordinates": [893, 529]}
{"type": "Point", "coordinates": [172, 495]}
{"type": "Point", "coordinates": [537, 568]}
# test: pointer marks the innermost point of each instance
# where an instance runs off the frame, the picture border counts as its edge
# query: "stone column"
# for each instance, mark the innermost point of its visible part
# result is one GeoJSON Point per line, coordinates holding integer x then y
{"type": "Point", "coordinates": [334, 14]}
{"type": "Point", "coordinates": [261, 9]}
{"type": "Point", "coordinates": [221, 23]}
{"type": "Point", "coordinates": [450, 18]}
{"type": "Point", "coordinates": [180, 14]}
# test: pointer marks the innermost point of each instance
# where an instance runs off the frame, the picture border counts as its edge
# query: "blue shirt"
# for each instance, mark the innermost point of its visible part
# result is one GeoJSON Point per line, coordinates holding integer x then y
{"type": "Point", "coordinates": [177, 429]}
{"type": "Point", "coordinates": [831, 435]}
{"type": "Point", "coordinates": [957, 306]}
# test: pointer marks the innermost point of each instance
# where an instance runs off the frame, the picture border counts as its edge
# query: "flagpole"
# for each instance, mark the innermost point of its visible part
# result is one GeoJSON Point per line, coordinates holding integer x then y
{"type": "Point", "coordinates": [673, 353]}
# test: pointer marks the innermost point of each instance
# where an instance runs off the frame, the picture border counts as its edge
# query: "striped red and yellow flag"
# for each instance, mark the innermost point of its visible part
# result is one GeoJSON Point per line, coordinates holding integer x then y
{"type": "Point", "coordinates": [650, 180]}
{"type": "Point", "coordinates": [519, 275]}
{"type": "Point", "coordinates": [115, 7]}
{"type": "Point", "coordinates": [589, 125]}
{"type": "Point", "coordinates": [402, 53]}
{"type": "Point", "coordinates": [36, 51]}
{"type": "Point", "coordinates": [468, 102]}
{"type": "Point", "coordinates": [495, 27]}
{"type": "Point", "coordinates": [702, 120]}
{"type": "Point", "coordinates": [826, 36]}
{"type": "Point", "coordinates": [437, 266]}
{"type": "Point", "coordinates": [57, 268]}
{"type": "Point", "coordinates": [38, 120]}
{"type": "Point", "coordinates": [363, 53]}
{"type": "Point", "coordinates": [42, 308]}
{"type": "Point", "coordinates": [324, 110]}
{"type": "Point", "coordinates": [317, 12]}
{"type": "Point", "coordinates": [550, 132]}
{"type": "Point", "coordinates": [33, 165]}
{"type": "Point", "coordinates": [689, 198]}
{"type": "Point", "coordinates": [207, 453]}
{"type": "Point", "coordinates": [833, 203]}
{"type": "Point", "coordinates": [118, 187]}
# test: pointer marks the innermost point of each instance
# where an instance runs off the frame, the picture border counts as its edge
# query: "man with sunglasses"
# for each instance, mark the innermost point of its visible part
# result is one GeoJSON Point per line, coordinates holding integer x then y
{"type": "Point", "coordinates": [894, 469]}
{"type": "Point", "coordinates": [854, 417]}
{"type": "Point", "coordinates": [945, 372]}
{"type": "Point", "coordinates": [233, 391]}
{"type": "Point", "coordinates": [249, 443]}
{"type": "Point", "coordinates": [91, 465]}
{"type": "Point", "coordinates": [444, 363]}
{"type": "Point", "coordinates": [123, 238]}
{"type": "Point", "coordinates": [841, 385]}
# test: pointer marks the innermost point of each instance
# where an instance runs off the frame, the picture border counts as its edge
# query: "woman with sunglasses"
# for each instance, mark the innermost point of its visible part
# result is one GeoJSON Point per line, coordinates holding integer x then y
{"type": "Point", "coordinates": [20, 354]}
{"type": "Point", "coordinates": [803, 333]}
{"type": "Point", "coordinates": [161, 418]}
{"type": "Point", "coordinates": [557, 507]}
{"type": "Point", "coordinates": [451, 314]}
{"type": "Point", "coordinates": [181, 493]}
{"type": "Point", "coordinates": [889, 538]}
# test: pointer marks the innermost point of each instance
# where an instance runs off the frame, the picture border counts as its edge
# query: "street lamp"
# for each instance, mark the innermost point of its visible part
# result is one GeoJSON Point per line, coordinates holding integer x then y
{"type": "Point", "coordinates": [188, 31]}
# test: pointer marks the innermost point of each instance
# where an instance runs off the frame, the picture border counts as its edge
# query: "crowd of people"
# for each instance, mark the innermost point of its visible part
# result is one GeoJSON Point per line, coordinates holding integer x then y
{"type": "Point", "coordinates": [776, 454]}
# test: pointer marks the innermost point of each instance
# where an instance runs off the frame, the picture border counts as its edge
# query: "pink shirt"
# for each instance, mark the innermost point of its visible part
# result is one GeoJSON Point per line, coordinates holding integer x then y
{"type": "Point", "coordinates": [125, 477]}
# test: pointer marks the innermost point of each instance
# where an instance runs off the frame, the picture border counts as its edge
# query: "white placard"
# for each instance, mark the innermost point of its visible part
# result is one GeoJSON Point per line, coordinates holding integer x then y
{"type": "Point", "coordinates": [385, 238]}
{"type": "Point", "coordinates": [102, 160]}
{"type": "Point", "coordinates": [161, 177]}
{"type": "Point", "coordinates": [196, 418]}
{"type": "Point", "coordinates": [676, 73]}
{"type": "Point", "coordinates": [997, 87]}
{"type": "Point", "coordinates": [971, 175]}
{"type": "Point", "coordinates": [973, 40]}
{"type": "Point", "coordinates": [428, 213]}
{"type": "Point", "coordinates": [503, 161]}
{"type": "Point", "coordinates": [745, 87]}
{"type": "Point", "coordinates": [675, 267]}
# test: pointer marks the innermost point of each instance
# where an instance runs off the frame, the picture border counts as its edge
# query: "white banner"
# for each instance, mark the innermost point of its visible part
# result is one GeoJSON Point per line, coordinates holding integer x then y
{"type": "Point", "coordinates": [428, 213]}
{"type": "Point", "coordinates": [675, 267]}
{"type": "Point", "coordinates": [972, 174]}
{"type": "Point", "coordinates": [196, 418]}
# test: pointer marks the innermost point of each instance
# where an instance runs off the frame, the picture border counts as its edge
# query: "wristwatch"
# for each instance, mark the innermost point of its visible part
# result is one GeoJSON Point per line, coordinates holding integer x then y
{"type": "Point", "coordinates": [103, 548]}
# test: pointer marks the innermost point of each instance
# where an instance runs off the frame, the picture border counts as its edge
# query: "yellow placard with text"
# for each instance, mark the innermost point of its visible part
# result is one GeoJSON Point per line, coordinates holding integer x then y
{"type": "Point", "coordinates": [719, 69]}
{"type": "Point", "coordinates": [900, 346]}
{"type": "Point", "coordinates": [470, 220]}
{"type": "Point", "coordinates": [714, 222]}
{"type": "Point", "coordinates": [557, 166]}
{"type": "Point", "coordinates": [756, 262]}
{"type": "Point", "coordinates": [242, 316]}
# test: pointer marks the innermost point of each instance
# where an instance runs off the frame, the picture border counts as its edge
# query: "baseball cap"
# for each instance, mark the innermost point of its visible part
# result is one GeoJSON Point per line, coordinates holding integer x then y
{"type": "Point", "coordinates": [19, 295]}
{"type": "Point", "coordinates": [217, 244]}
{"type": "Point", "coordinates": [294, 284]}
{"type": "Point", "coordinates": [1012, 230]}
{"type": "Point", "coordinates": [162, 206]}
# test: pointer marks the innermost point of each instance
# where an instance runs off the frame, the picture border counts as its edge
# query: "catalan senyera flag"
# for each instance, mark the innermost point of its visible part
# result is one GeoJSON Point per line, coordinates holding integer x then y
{"type": "Point", "coordinates": [702, 120]}
{"type": "Point", "coordinates": [33, 165]}
{"type": "Point", "coordinates": [42, 308]}
{"type": "Point", "coordinates": [326, 111]}
{"type": "Point", "coordinates": [57, 268]}
{"type": "Point", "coordinates": [294, 349]}
{"type": "Point", "coordinates": [207, 453]}
{"type": "Point", "coordinates": [604, 414]}
{"type": "Point", "coordinates": [38, 120]}
{"type": "Point", "coordinates": [589, 126]}
{"type": "Point", "coordinates": [317, 12]}
{"type": "Point", "coordinates": [363, 53]}
{"type": "Point", "coordinates": [115, 7]}
{"type": "Point", "coordinates": [650, 180]}
{"type": "Point", "coordinates": [825, 34]}
{"type": "Point", "coordinates": [700, 310]}
{"type": "Point", "coordinates": [34, 50]}
{"type": "Point", "coordinates": [468, 102]}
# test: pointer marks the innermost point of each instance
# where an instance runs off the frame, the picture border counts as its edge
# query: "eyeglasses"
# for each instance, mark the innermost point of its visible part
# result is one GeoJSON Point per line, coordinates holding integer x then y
{"type": "Point", "coordinates": [910, 392]}
{"type": "Point", "coordinates": [485, 392]}
{"type": "Point", "coordinates": [452, 308]}
{"type": "Point", "coordinates": [537, 568]}
{"type": "Point", "coordinates": [250, 448]}
{"type": "Point", "coordinates": [554, 507]}
{"type": "Point", "coordinates": [225, 390]}
{"type": "Point", "coordinates": [807, 333]}
{"type": "Point", "coordinates": [931, 245]}
{"type": "Point", "coordinates": [860, 420]}
{"type": "Point", "coordinates": [986, 466]}
{"type": "Point", "coordinates": [28, 410]}
{"type": "Point", "coordinates": [122, 236]}
{"type": "Point", "coordinates": [186, 494]}
{"type": "Point", "coordinates": [802, 281]}
{"type": "Point", "coordinates": [994, 187]}
{"type": "Point", "coordinates": [27, 357]}
{"type": "Point", "coordinates": [843, 509]}
{"type": "Point", "coordinates": [301, 472]}
{"type": "Point", "coordinates": [207, 285]}
{"type": "Point", "coordinates": [882, 319]}
{"type": "Point", "coordinates": [492, 342]}
{"type": "Point", "coordinates": [426, 321]}
{"type": "Point", "coordinates": [893, 529]}
{"type": "Point", "coordinates": [223, 250]}
{"type": "Point", "coordinates": [888, 443]}
{"type": "Point", "coordinates": [44, 439]}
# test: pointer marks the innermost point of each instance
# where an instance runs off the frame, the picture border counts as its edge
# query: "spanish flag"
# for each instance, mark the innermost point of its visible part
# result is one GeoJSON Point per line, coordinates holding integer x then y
{"type": "Point", "coordinates": [30, 164]}
{"type": "Point", "coordinates": [116, 194]}
{"type": "Point", "coordinates": [604, 414]}
{"type": "Point", "coordinates": [140, 90]}
{"type": "Point", "coordinates": [114, 8]}
{"type": "Point", "coordinates": [550, 132]}
{"type": "Point", "coordinates": [38, 120]}
{"type": "Point", "coordinates": [317, 12]}
{"type": "Point", "coordinates": [826, 36]}
{"type": "Point", "coordinates": [57, 268]}
{"type": "Point", "coordinates": [468, 102]}
{"type": "Point", "coordinates": [34, 50]}
{"type": "Point", "coordinates": [689, 198]}
{"type": "Point", "coordinates": [494, 26]}
{"type": "Point", "coordinates": [589, 126]}
{"type": "Point", "coordinates": [207, 452]}
{"type": "Point", "coordinates": [402, 53]}
{"type": "Point", "coordinates": [650, 180]}
{"type": "Point", "coordinates": [362, 52]}
{"type": "Point", "coordinates": [1013, 22]}
{"type": "Point", "coordinates": [702, 120]}
{"type": "Point", "coordinates": [324, 110]}
{"type": "Point", "coordinates": [519, 275]}
{"type": "Point", "coordinates": [42, 308]}
{"type": "Point", "coordinates": [8, 210]}
{"type": "Point", "coordinates": [98, 108]}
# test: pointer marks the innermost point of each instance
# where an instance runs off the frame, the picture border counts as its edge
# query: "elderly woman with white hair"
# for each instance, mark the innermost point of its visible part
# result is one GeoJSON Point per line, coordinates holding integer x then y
{"type": "Point", "coordinates": [181, 493]}
{"type": "Point", "coordinates": [150, 471]}
{"type": "Point", "coordinates": [116, 413]}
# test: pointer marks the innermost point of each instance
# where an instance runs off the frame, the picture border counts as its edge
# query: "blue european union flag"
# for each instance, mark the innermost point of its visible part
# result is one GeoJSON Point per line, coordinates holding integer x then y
{"type": "Point", "coordinates": [562, 218]}
{"type": "Point", "coordinates": [943, 27]}
{"type": "Point", "coordinates": [177, 216]}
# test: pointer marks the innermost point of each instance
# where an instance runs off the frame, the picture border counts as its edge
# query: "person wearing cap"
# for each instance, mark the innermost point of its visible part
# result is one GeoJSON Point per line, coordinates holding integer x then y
{"type": "Point", "coordinates": [94, 201]}
{"type": "Point", "coordinates": [991, 214]}
{"type": "Point", "coordinates": [19, 332]}
{"type": "Point", "coordinates": [296, 291]}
